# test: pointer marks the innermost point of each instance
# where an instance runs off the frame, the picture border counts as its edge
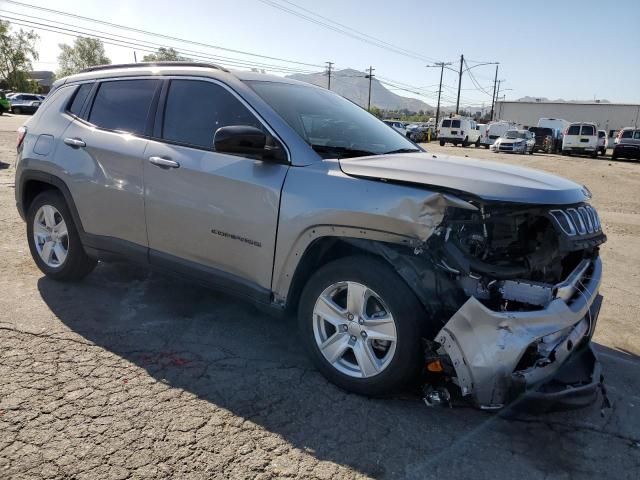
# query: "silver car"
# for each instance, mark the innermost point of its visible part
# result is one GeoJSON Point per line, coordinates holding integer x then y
{"type": "Point", "coordinates": [481, 279]}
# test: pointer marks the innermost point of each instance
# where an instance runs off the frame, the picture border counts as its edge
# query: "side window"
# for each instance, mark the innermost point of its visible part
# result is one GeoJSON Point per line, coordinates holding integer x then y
{"type": "Point", "coordinates": [612, 133]}
{"type": "Point", "coordinates": [196, 109]}
{"type": "Point", "coordinates": [123, 105]}
{"type": "Point", "coordinates": [78, 99]}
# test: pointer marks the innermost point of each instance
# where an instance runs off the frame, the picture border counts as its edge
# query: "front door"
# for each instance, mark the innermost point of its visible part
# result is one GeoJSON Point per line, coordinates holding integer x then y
{"type": "Point", "coordinates": [211, 213]}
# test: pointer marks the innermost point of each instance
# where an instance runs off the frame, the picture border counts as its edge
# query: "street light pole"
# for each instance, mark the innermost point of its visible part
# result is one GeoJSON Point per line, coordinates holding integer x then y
{"type": "Point", "coordinates": [493, 98]}
{"type": "Point", "coordinates": [459, 83]}
{"type": "Point", "coordinates": [370, 76]}
{"type": "Point", "coordinates": [329, 65]}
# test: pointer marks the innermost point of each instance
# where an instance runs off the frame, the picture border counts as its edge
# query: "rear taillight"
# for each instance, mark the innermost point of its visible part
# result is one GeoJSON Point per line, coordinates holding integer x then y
{"type": "Point", "coordinates": [22, 132]}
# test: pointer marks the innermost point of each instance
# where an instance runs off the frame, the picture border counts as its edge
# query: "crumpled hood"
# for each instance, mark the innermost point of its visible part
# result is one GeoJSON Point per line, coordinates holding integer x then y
{"type": "Point", "coordinates": [485, 179]}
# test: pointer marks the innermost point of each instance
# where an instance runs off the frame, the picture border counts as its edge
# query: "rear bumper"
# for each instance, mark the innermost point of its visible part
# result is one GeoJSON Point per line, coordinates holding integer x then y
{"type": "Point", "coordinates": [498, 356]}
{"type": "Point", "coordinates": [627, 151]}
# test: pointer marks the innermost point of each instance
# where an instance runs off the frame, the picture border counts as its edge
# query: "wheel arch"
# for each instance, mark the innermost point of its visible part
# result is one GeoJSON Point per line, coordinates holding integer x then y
{"type": "Point", "coordinates": [34, 182]}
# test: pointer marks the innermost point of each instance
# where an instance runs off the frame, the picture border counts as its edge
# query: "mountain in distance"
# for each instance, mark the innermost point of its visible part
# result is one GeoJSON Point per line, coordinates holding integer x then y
{"type": "Point", "coordinates": [558, 100]}
{"type": "Point", "coordinates": [353, 84]}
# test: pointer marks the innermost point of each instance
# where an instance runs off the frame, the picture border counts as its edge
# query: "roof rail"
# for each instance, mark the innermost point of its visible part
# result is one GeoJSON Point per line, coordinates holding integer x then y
{"type": "Point", "coordinates": [154, 64]}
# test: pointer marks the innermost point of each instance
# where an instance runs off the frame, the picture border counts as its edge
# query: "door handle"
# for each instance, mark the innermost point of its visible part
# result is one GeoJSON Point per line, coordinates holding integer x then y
{"type": "Point", "coordinates": [164, 162]}
{"type": "Point", "coordinates": [75, 142]}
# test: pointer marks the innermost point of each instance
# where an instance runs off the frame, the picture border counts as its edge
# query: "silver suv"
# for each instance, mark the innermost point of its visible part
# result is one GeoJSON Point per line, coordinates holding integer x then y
{"type": "Point", "coordinates": [478, 278]}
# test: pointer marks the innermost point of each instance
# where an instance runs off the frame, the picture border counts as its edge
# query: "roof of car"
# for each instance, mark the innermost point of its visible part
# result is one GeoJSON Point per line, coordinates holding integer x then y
{"type": "Point", "coordinates": [169, 68]}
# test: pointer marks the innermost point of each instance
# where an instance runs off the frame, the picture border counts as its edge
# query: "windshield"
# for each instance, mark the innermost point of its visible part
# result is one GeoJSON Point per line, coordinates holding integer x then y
{"type": "Point", "coordinates": [511, 134]}
{"type": "Point", "coordinates": [332, 125]}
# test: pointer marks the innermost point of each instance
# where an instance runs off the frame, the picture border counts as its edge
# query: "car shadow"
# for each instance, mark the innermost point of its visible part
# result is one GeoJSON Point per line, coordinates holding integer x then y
{"type": "Point", "coordinates": [238, 357]}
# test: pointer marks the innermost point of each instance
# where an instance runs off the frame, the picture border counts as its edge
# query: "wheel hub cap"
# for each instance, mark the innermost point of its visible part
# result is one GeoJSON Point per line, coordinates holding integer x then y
{"type": "Point", "coordinates": [354, 330]}
{"type": "Point", "coordinates": [50, 236]}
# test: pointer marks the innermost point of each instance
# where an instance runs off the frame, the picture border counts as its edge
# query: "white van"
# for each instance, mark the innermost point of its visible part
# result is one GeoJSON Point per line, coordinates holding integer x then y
{"type": "Point", "coordinates": [581, 138]}
{"type": "Point", "coordinates": [494, 131]}
{"type": "Point", "coordinates": [459, 130]}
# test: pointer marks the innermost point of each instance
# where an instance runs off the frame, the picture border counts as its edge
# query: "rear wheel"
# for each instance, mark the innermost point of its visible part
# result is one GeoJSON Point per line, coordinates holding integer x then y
{"type": "Point", "coordinates": [442, 143]}
{"type": "Point", "coordinates": [360, 323]}
{"type": "Point", "coordinates": [477, 143]}
{"type": "Point", "coordinates": [594, 154]}
{"type": "Point", "coordinates": [16, 110]}
{"type": "Point", "coordinates": [465, 142]}
{"type": "Point", "coordinates": [53, 239]}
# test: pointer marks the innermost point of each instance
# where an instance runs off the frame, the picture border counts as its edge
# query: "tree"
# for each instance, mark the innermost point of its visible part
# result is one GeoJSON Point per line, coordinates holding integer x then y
{"type": "Point", "coordinates": [165, 55]}
{"type": "Point", "coordinates": [375, 111]}
{"type": "Point", "coordinates": [17, 52]}
{"type": "Point", "coordinates": [86, 52]}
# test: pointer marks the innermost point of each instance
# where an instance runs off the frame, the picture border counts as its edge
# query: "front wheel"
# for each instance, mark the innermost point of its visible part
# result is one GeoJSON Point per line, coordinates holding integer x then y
{"type": "Point", "coordinates": [16, 110]}
{"type": "Point", "coordinates": [360, 323]}
{"type": "Point", "coordinates": [442, 143]}
{"type": "Point", "coordinates": [53, 239]}
{"type": "Point", "coordinates": [477, 143]}
{"type": "Point", "coordinates": [465, 142]}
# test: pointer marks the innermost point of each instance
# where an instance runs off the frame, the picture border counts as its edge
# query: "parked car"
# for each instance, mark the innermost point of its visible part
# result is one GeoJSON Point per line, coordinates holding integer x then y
{"type": "Point", "coordinates": [548, 140]}
{"type": "Point", "coordinates": [397, 126]}
{"type": "Point", "coordinates": [515, 141]}
{"type": "Point", "coordinates": [288, 195]}
{"type": "Point", "coordinates": [626, 132]}
{"type": "Point", "coordinates": [494, 131]}
{"type": "Point", "coordinates": [24, 103]}
{"type": "Point", "coordinates": [418, 132]}
{"type": "Point", "coordinates": [602, 142]}
{"type": "Point", "coordinates": [581, 138]}
{"type": "Point", "coordinates": [5, 106]}
{"type": "Point", "coordinates": [628, 146]}
{"type": "Point", "coordinates": [459, 131]}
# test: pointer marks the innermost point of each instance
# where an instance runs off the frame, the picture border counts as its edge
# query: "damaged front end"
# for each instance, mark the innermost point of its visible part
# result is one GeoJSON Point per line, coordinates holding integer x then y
{"type": "Point", "coordinates": [530, 277]}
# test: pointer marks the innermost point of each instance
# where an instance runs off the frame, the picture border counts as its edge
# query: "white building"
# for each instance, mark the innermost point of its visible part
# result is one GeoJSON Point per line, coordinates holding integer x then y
{"type": "Point", "coordinates": [610, 117]}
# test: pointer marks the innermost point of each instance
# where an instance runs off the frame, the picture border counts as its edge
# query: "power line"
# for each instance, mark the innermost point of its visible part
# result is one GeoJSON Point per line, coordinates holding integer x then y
{"type": "Point", "coordinates": [344, 29]}
{"type": "Point", "coordinates": [158, 35]}
{"type": "Point", "coordinates": [145, 45]}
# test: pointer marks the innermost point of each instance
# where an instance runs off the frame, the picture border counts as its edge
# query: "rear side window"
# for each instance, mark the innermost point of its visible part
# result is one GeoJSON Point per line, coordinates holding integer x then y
{"type": "Point", "coordinates": [588, 130]}
{"type": "Point", "coordinates": [78, 99]}
{"type": "Point", "coordinates": [636, 135]}
{"type": "Point", "coordinates": [574, 130]}
{"type": "Point", "coordinates": [602, 134]}
{"type": "Point", "coordinates": [446, 123]}
{"type": "Point", "coordinates": [627, 134]}
{"type": "Point", "coordinates": [455, 123]}
{"type": "Point", "coordinates": [123, 105]}
{"type": "Point", "coordinates": [196, 109]}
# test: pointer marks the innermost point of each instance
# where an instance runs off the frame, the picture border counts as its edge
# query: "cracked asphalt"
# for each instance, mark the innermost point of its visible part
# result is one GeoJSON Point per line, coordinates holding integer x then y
{"type": "Point", "coordinates": [132, 374]}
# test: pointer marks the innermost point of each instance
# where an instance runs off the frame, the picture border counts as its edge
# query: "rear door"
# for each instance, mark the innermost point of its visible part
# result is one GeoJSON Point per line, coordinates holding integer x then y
{"type": "Point", "coordinates": [212, 214]}
{"type": "Point", "coordinates": [105, 151]}
{"type": "Point", "coordinates": [572, 137]}
{"type": "Point", "coordinates": [588, 137]}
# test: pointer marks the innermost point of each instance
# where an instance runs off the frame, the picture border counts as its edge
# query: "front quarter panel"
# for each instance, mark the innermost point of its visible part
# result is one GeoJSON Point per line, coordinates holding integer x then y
{"type": "Point", "coordinates": [320, 200]}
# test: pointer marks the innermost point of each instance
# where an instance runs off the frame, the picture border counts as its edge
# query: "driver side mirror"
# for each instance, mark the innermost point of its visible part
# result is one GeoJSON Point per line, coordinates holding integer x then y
{"type": "Point", "coordinates": [249, 141]}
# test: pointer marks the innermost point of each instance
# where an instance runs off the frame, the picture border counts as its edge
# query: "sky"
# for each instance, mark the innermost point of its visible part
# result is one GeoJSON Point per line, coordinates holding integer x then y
{"type": "Point", "coordinates": [555, 49]}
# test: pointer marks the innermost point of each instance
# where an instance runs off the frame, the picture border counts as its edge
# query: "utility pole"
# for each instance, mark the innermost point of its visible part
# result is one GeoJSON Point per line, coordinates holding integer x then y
{"type": "Point", "coordinates": [329, 65]}
{"type": "Point", "coordinates": [498, 92]}
{"type": "Point", "coordinates": [493, 98]}
{"type": "Point", "coordinates": [370, 76]}
{"type": "Point", "coordinates": [442, 65]}
{"type": "Point", "coordinates": [459, 83]}
{"type": "Point", "coordinates": [135, 58]}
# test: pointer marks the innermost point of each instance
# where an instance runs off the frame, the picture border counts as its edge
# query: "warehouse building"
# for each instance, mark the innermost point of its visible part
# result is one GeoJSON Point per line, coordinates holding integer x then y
{"type": "Point", "coordinates": [610, 117]}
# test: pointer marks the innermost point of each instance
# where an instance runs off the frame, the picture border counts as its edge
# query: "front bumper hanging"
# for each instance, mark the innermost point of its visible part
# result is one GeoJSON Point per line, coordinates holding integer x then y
{"type": "Point", "coordinates": [487, 348]}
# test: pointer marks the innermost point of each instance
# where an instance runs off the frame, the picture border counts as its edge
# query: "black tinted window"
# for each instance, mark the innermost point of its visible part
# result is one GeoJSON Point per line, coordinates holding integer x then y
{"type": "Point", "coordinates": [588, 130]}
{"type": "Point", "coordinates": [446, 123]}
{"type": "Point", "coordinates": [196, 109]}
{"type": "Point", "coordinates": [78, 100]}
{"type": "Point", "coordinates": [574, 130]}
{"type": "Point", "coordinates": [123, 105]}
{"type": "Point", "coordinates": [455, 123]}
{"type": "Point", "coordinates": [601, 134]}
{"type": "Point", "coordinates": [626, 134]}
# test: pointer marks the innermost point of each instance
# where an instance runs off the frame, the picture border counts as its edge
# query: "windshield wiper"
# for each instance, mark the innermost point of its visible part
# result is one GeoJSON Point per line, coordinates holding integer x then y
{"type": "Point", "coordinates": [402, 150]}
{"type": "Point", "coordinates": [341, 152]}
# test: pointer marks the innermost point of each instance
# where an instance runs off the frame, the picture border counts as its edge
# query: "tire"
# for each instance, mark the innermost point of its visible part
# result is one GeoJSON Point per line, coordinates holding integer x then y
{"type": "Point", "coordinates": [16, 111]}
{"type": "Point", "coordinates": [477, 144]}
{"type": "Point", "coordinates": [614, 156]}
{"type": "Point", "coordinates": [442, 143]}
{"type": "Point", "coordinates": [595, 153]}
{"type": "Point", "coordinates": [75, 264]}
{"type": "Point", "coordinates": [406, 313]}
{"type": "Point", "coordinates": [465, 142]}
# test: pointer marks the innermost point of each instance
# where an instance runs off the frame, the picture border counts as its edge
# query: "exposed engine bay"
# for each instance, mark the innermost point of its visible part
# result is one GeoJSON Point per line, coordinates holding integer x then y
{"type": "Point", "coordinates": [512, 258]}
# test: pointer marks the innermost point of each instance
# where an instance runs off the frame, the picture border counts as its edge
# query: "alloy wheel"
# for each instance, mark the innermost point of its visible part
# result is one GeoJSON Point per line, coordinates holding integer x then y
{"type": "Point", "coordinates": [354, 330]}
{"type": "Point", "coordinates": [50, 236]}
